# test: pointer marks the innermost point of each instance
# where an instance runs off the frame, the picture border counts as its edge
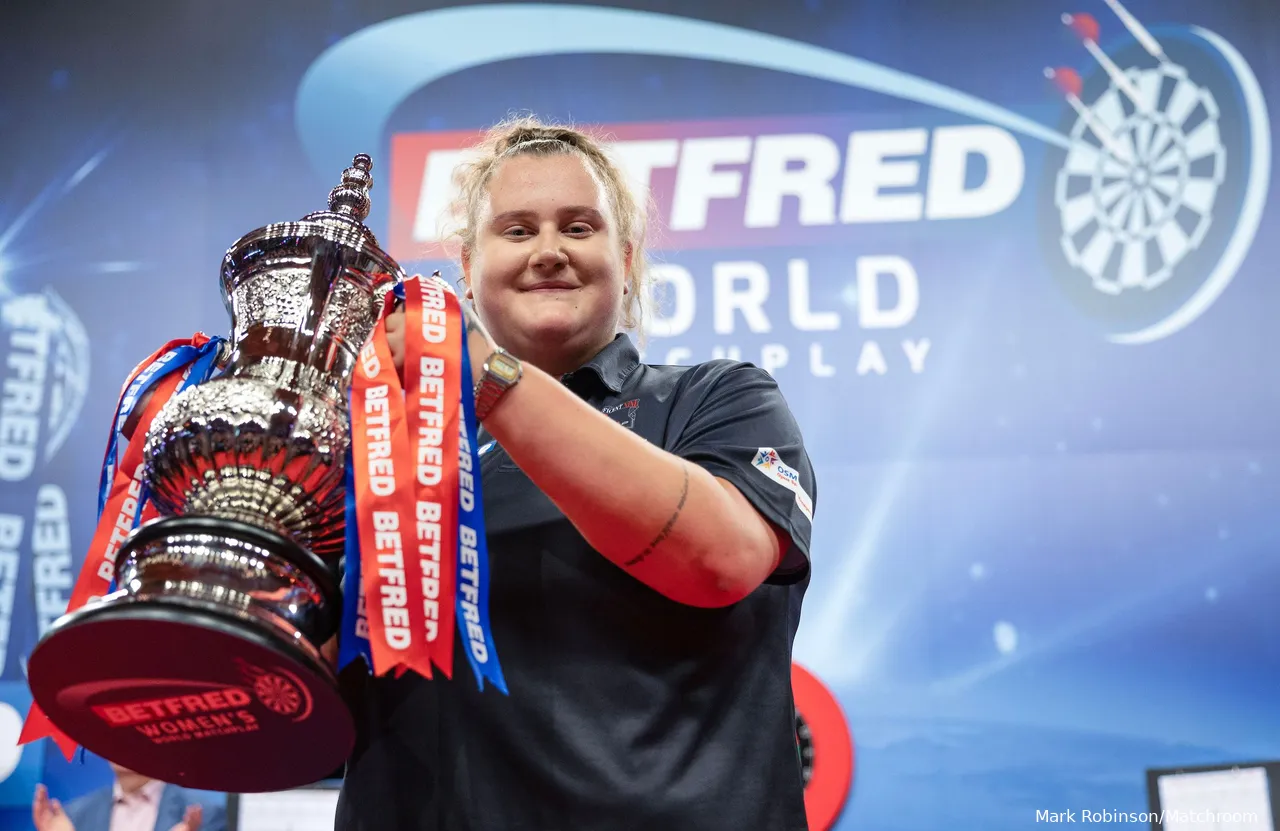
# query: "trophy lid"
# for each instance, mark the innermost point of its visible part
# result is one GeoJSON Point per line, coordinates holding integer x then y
{"type": "Point", "coordinates": [349, 202]}
{"type": "Point", "coordinates": [350, 199]}
{"type": "Point", "coordinates": [342, 223]}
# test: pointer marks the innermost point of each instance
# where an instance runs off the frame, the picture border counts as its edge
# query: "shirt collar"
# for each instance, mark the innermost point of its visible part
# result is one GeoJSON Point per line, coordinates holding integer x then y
{"type": "Point", "coordinates": [610, 366]}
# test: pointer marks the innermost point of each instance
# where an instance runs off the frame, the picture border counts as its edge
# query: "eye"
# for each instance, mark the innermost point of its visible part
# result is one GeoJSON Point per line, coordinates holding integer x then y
{"type": "Point", "coordinates": [579, 229]}
{"type": "Point", "coordinates": [517, 232]}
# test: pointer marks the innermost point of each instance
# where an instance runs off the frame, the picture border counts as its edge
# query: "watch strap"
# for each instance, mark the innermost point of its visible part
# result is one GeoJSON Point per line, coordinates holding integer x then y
{"type": "Point", "coordinates": [491, 386]}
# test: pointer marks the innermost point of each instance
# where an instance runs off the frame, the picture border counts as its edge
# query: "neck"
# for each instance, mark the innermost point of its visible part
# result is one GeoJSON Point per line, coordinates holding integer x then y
{"type": "Point", "coordinates": [559, 360]}
{"type": "Point", "coordinates": [131, 782]}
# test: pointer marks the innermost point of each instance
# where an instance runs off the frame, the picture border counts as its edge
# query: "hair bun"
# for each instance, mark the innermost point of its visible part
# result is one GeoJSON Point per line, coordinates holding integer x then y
{"type": "Point", "coordinates": [525, 134]}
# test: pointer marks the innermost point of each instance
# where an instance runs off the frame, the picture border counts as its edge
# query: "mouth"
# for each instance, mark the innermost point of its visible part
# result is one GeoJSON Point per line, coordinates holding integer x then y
{"type": "Point", "coordinates": [551, 286]}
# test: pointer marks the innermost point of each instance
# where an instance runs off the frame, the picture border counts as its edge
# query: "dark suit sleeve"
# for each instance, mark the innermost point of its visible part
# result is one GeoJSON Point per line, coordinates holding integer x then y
{"type": "Point", "coordinates": [91, 812]}
{"type": "Point", "coordinates": [732, 420]}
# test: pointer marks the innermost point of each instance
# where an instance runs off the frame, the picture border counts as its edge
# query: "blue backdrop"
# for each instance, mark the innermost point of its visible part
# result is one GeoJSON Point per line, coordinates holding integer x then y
{"type": "Point", "coordinates": [1023, 322]}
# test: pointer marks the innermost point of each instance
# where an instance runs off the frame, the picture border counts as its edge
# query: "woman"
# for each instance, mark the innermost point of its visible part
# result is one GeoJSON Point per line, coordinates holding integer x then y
{"type": "Point", "coordinates": [648, 532]}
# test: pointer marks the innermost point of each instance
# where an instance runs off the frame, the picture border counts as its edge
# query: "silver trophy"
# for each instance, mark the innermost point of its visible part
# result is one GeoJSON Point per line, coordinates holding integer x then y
{"type": "Point", "coordinates": [204, 667]}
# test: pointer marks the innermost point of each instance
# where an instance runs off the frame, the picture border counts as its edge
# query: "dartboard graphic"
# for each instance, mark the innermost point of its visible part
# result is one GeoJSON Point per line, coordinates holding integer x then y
{"type": "Point", "coordinates": [824, 747]}
{"type": "Point", "coordinates": [277, 693]}
{"type": "Point", "coordinates": [1134, 209]}
{"type": "Point", "coordinates": [804, 747]}
{"type": "Point", "coordinates": [1153, 202]}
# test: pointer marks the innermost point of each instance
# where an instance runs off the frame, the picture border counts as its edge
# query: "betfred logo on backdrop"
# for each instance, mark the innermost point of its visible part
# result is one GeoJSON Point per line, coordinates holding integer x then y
{"type": "Point", "coordinates": [44, 377]}
{"type": "Point", "coordinates": [1152, 188]}
{"type": "Point", "coordinates": [748, 182]}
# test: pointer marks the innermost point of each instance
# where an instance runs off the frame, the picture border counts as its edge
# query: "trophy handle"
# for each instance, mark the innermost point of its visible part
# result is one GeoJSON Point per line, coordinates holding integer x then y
{"type": "Point", "coordinates": [223, 359]}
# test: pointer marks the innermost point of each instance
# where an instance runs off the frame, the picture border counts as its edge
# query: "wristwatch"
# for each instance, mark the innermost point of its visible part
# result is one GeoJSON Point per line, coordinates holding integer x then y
{"type": "Point", "coordinates": [501, 372]}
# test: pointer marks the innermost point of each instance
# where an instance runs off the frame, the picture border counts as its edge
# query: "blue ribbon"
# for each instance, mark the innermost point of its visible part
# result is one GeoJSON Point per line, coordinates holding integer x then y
{"type": "Point", "coordinates": [175, 359]}
{"type": "Point", "coordinates": [480, 650]}
{"type": "Point", "coordinates": [474, 615]}
{"type": "Point", "coordinates": [195, 372]}
{"type": "Point", "coordinates": [199, 365]}
{"type": "Point", "coordinates": [351, 644]}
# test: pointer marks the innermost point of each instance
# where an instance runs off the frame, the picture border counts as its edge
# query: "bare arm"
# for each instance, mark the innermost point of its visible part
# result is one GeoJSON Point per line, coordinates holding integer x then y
{"type": "Point", "coordinates": [683, 532]}
{"type": "Point", "coordinates": [677, 528]}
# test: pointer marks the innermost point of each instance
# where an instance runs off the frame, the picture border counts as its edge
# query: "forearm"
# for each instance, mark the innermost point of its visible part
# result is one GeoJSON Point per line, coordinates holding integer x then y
{"type": "Point", "coordinates": [667, 521]}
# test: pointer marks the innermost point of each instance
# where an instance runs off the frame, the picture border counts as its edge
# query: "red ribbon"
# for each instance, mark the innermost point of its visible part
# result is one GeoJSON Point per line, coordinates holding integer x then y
{"type": "Point", "coordinates": [432, 373]}
{"type": "Point", "coordinates": [115, 523]}
{"type": "Point", "coordinates": [405, 447]}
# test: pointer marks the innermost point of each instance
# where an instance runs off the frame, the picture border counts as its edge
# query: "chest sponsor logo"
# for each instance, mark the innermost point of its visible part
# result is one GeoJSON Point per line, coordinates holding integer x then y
{"type": "Point", "coordinates": [624, 413]}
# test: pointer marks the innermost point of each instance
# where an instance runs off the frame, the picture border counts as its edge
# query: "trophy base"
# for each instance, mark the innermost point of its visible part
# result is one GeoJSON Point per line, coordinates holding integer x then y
{"type": "Point", "coordinates": [192, 696]}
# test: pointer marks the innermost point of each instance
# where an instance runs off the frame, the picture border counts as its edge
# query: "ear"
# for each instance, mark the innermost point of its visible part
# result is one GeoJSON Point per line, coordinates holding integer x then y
{"type": "Point", "coordinates": [466, 273]}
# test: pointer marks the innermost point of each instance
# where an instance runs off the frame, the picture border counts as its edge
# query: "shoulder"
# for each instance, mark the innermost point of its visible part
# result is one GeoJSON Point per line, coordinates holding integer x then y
{"type": "Point", "coordinates": [86, 803]}
{"type": "Point", "coordinates": [716, 388]}
{"type": "Point", "coordinates": [83, 808]}
{"type": "Point", "coordinates": [703, 379]}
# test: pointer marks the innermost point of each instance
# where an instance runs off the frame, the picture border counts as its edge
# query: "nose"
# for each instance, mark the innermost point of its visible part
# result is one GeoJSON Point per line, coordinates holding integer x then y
{"type": "Point", "coordinates": [548, 254]}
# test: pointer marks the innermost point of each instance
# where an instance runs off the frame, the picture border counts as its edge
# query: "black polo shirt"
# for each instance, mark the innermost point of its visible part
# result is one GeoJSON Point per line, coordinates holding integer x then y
{"type": "Point", "coordinates": [626, 710]}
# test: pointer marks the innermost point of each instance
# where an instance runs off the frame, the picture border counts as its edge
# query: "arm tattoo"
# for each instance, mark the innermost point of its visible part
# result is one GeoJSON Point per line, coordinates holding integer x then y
{"type": "Point", "coordinates": [671, 521]}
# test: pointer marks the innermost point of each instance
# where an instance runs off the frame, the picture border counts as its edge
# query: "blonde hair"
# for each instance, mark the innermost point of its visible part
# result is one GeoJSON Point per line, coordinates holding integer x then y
{"type": "Point", "coordinates": [528, 136]}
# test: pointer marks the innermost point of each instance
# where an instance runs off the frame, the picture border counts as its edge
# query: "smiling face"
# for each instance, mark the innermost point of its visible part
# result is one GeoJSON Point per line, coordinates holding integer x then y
{"type": "Point", "coordinates": [548, 272]}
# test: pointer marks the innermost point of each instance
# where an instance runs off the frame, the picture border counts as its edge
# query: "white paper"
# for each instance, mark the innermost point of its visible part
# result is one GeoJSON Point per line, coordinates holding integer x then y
{"type": "Point", "coordinates": [1218, 800]}
{"type": "Point", "coordinates": [300, 810]}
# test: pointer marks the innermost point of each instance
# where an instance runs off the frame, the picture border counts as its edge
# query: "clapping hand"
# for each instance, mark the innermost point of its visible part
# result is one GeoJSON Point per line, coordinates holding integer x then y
{"type": "Point", "coordinates": [47, 814]}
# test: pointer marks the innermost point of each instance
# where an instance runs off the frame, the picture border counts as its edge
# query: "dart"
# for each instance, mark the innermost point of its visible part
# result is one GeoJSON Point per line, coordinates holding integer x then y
{"type": "Point", "coordinates": [1086, 28]}
{"type": "Point", "coordinates": [1138, 31]}
{"type": "Point", "coordinates": [1068, 82]}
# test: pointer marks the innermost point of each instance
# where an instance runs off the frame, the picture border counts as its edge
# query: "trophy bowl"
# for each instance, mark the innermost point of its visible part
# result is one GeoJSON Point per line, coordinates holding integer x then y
{"type": "Point", "coordinates": [203, 667]}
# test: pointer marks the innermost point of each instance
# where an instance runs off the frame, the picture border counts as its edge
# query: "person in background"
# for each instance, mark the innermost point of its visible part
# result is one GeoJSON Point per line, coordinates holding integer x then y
{"type": "Point", "coordinates": [132, 803]}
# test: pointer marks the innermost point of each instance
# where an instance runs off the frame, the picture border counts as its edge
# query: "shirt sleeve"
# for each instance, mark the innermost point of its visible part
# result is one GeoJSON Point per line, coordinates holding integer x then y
{"type": "Point", "coordinates": [730, 418]}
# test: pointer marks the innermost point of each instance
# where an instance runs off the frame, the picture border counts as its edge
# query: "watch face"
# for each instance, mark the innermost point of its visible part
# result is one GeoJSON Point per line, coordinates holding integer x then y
{"type": "Point", "coordinates": [504, 367]}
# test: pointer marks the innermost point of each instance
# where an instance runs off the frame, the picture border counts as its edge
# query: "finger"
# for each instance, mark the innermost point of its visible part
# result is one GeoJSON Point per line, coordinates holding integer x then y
{"type": "Point", "coordinates": [330, 651]}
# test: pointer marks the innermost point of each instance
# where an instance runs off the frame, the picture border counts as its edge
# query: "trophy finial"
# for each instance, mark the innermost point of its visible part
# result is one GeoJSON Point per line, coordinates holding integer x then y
{"type": "Point", "coordinates": [351, 198]}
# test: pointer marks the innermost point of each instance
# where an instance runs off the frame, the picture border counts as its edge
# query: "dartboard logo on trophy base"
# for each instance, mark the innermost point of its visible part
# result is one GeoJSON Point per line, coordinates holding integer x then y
{"type": "Point", "coordinates": [1160, 191]}
{"type": "Point", "coordinates": [279, 690]}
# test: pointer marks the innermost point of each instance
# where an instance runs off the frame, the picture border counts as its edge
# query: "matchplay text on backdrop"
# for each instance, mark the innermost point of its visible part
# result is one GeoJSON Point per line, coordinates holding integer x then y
{"type": "Point", "coordinates": [760, 183]}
